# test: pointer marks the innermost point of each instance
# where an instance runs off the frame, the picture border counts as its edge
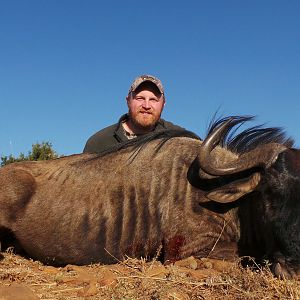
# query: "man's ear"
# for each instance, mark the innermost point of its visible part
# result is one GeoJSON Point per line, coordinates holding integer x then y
{"type": "Point", "coordinates": [127, 100]}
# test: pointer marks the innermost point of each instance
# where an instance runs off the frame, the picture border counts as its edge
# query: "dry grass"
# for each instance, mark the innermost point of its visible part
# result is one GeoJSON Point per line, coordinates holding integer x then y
{"type": "Point", "coordinates": [138, 279]}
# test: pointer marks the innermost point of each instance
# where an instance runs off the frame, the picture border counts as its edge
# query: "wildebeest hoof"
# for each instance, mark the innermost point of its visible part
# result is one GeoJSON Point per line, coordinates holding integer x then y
{"type": "Point", "coordinates": [283, 271]}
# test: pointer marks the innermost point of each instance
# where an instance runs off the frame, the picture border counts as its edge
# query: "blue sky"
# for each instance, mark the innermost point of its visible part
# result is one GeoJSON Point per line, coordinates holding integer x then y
{"type": "Point", "coordinates": [66, 66]}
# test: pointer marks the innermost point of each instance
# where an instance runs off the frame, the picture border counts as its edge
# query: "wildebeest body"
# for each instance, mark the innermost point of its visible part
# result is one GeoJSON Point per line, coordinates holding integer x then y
{"type": "Point", "coordinates": [183, 196]}
{"type": "Point", "coordinates": [105, 208]}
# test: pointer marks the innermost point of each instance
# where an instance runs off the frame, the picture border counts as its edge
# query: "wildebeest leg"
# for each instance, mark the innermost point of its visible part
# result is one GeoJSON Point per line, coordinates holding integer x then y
{"type": "Point", "coordinates": [16, 189]}
{"type": "Point", "coordinates": [8, 240]}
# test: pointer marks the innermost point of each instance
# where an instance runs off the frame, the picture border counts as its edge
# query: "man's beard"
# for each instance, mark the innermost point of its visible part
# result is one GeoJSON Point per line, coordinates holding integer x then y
{"type": "Point", "coordinates": [144, 120]}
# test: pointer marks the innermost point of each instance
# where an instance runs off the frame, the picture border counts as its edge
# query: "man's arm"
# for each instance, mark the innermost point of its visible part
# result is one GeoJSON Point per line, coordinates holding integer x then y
{"type": "Point", "coordinates": [101, 140]}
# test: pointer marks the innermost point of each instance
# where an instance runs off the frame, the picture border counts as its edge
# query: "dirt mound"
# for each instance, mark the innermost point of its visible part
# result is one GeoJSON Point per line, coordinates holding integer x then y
{"type": "Point", "coordinates": [137, 279]}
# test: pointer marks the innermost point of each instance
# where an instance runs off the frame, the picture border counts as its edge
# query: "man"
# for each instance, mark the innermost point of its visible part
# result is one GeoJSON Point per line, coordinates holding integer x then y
{"type": "Point", "coordinates": [145, 101]}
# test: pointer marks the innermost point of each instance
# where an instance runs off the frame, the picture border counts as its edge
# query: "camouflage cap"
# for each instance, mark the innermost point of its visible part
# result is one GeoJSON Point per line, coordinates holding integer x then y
{"type": "Point", "coordinates": [143, 78]}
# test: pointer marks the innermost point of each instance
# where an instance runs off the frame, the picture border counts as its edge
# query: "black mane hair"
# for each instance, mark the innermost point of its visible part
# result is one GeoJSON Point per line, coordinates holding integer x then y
{"type": "Point", "coordinates": [244, 141]}
{"type": "Point", "coordinates": [138, 143]}
{"type": "Point", "coordinates": [249, 138]}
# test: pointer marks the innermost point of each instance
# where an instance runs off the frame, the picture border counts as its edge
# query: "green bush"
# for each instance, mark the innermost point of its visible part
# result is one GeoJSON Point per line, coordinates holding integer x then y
{"type": "Point", "coordinates": [39, 151]}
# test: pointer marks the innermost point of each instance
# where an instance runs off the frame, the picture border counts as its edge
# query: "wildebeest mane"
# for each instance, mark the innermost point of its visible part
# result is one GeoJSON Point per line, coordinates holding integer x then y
{"type": "Point", "coordinates": [138, 143]}
{"type": "Point", "coordinates": [238, 142]}
{"type": "Point", "coordinates": [249, 138]}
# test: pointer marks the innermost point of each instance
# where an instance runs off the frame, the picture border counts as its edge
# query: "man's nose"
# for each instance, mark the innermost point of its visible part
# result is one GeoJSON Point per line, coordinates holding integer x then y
{"type": "Point", "coordinates": [146, 104]}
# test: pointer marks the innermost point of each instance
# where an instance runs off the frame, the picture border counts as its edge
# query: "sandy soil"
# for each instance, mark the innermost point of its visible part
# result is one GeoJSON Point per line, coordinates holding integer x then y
{"type": "Point", "coordinates": [191, 278]}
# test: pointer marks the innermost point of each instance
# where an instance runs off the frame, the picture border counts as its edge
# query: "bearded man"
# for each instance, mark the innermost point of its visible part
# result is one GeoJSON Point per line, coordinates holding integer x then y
{"type": "Point", "coordinates": [145, 101]}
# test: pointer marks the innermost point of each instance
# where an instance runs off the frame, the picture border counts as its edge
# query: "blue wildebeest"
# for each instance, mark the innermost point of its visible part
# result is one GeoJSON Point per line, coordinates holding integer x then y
{"type": "Point", "coordinates": [226, 196]}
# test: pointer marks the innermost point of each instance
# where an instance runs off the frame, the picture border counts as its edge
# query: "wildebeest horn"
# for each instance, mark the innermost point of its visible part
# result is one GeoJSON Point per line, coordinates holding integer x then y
{"type": "Point", "coordinates": [235, 190]}
{"type": "Point", "coordinates": [261, 156]}
{"type": "Point", "coordinates": [207, 163]}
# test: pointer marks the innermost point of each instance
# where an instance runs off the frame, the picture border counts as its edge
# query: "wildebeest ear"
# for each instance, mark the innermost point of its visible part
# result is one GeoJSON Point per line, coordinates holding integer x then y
{"type": "Point", "coordinates": [235, 190]}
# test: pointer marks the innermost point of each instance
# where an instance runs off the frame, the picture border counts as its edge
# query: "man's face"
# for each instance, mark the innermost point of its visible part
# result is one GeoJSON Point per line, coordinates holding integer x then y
{"type": "Point", "coordinates": [145, 107]}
